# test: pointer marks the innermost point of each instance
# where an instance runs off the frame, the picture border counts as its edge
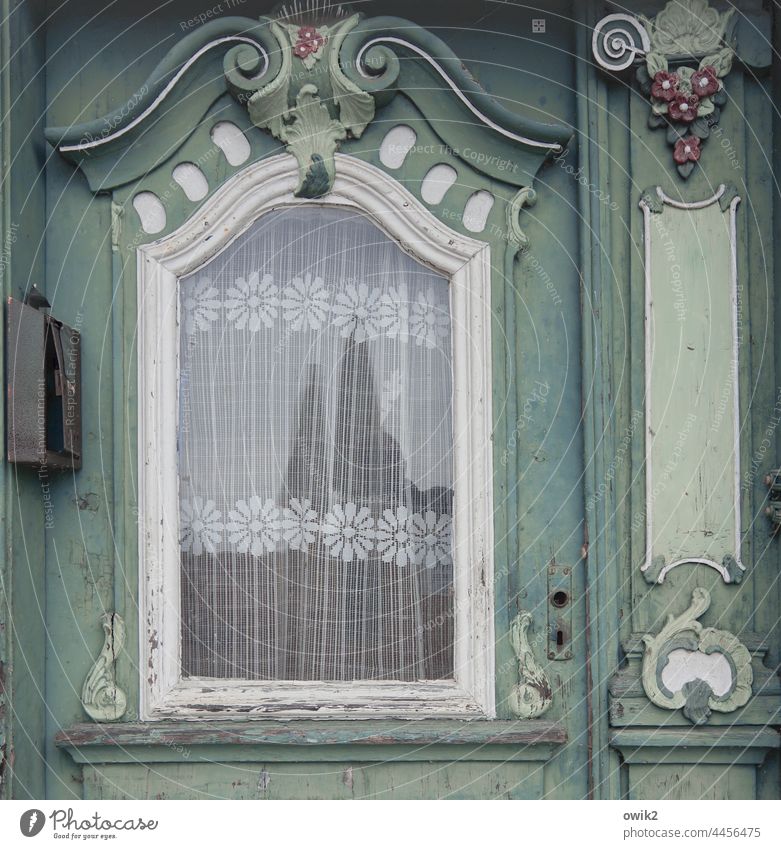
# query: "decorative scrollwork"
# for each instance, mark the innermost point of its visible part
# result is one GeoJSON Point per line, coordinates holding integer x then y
{"type": "Point", "coordinates": [532, 695]}
{"type": "Point", "coordinates": [685, 100]}
{"type": "Point", "coordinates": [291, 99]}
{"type": "Point", "coordinates": [618, 41]}
{"type": "Point", "coordinates": [695, 695]}
{"type": "Point", "coordinates": [101, 697]}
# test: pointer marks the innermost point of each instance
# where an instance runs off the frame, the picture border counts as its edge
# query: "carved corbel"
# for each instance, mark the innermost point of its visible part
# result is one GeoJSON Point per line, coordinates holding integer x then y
{"type": "Point", "coordinates": [684, 100]}
{"type": "Point", "coordinates": [694, 668]}
{"type": "Point", "coordinates": [101, 696]}
{"type": "Point", "coordinates": [532, 695]}
{"type": "Point", "coordinates": [516, 237]}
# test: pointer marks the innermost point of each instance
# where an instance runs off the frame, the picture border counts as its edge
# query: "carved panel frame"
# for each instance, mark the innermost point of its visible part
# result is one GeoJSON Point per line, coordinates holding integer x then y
{"type": "Point", "coordinates": [731, 568]}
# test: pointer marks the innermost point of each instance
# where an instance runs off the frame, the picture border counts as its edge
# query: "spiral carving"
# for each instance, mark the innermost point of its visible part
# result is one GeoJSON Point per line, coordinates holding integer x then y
{"type": "Point", "coordinates": [618, 40]}
{"type": "Point", "coordinates": [250, 67]}
{"type": "Point", "coordinates": [370, 61]}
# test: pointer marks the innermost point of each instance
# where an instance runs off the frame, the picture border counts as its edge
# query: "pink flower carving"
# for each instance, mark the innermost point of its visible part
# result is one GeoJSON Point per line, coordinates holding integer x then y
{"type": "Point", "coordinates": [665, 86]}
{"type": "Point", "coordinates": [687, 150]}
{"type": "Point", "coordinates": [705, 82]}
{"type": "Point", "coordinates": [684, 107]}
{"type": "Point", "coordinates": [309, 41]}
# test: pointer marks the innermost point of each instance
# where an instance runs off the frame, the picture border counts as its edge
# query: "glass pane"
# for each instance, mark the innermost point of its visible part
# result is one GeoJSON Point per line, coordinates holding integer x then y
{"type": "Point", "coordinates": [315, 452]}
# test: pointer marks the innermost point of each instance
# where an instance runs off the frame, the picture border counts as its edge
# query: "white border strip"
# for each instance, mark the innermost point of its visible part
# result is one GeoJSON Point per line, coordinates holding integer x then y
{"type": "Point", "coordinates": [647, 213]}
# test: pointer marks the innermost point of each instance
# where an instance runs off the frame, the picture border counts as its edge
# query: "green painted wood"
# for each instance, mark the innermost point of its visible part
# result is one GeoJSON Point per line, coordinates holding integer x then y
{"type": "Point", "coordinates": [315, 780]}
{"type": "Point", "coordinates": [25, 506]}
{"type": "Point", "coordinates": [692, 745]}
{"type": "Point", "coordinates": [692, 383]}
{"type": "Point", "coordinates": [692, 782]}
{"type": "Point", "coordinates": [600, 422]}
{"type": "Point", "coordinates": [633, 158]}
{"type": "Point", "coordinates": [584, 253]}
{"type": "Point", "coordinates": [536, 740]}
{"type": "Point", "coordinates": [522, 349]}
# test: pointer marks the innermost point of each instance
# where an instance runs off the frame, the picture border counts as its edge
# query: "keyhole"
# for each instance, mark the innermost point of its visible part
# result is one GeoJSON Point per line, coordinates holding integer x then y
{"type": "Point", "coordinates": [560, 639]}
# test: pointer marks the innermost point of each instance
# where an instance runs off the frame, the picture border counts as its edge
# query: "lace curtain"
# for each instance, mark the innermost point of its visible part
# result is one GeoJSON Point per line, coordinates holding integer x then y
{"type": "Point", "coordinates": [315, 452]}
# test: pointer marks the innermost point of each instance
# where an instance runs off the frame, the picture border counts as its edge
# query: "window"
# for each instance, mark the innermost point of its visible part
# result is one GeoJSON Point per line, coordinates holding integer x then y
{"type": "Point", "coordinates": [315, 458]}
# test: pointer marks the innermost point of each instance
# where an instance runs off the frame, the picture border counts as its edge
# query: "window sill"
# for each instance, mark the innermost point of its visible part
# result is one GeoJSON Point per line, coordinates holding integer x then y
{"type": "Point", "coordinates": [158, 742]}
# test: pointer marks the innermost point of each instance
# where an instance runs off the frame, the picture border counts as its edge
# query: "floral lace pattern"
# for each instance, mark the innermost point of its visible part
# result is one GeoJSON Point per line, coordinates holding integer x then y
{"type": "Point", "coordinates": [252, 303]}
{"type": "Point", "coordinates": [358, 310]}
{"type": "Point", "coordinates": [348, 531]}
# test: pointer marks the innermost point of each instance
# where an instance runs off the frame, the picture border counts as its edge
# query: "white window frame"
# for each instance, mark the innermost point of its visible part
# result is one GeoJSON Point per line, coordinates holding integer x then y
{"type": "Point", "coordinates": [256, 190]}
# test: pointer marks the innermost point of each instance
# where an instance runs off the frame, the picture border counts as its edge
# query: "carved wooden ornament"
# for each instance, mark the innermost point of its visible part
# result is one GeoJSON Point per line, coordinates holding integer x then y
{"type": "Point", "coordinates": [101, 696]}
{"type": "Point", "coordinates": [685, 100]}
{"type": "Point", "coordinates": [313, 77]}
{"type": "Point", "coordinates": [532, 695]}
{"type": "Point", "coordinates": [685, 643]}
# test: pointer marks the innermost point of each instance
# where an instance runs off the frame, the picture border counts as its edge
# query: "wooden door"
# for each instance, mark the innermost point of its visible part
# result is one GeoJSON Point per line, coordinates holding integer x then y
{"type": "Point", "coordinates": [630, 342]}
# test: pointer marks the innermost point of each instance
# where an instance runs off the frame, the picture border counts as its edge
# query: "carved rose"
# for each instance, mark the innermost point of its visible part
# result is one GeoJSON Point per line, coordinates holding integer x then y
{"type": "Point", "coordinates": [309, 41]}
{"type": "Point", "coordinates": [684, 107]}
{"type": "Point", "coordinates": [705, 82]}
{"type": "Point", "coordinates": [687, 150]}
{"type": "Point", "coordinates": [665, 86]}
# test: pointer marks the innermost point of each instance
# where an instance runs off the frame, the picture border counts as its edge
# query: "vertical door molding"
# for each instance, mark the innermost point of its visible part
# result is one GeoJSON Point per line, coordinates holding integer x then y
{"type": "Point", "coordinates": [692, 394]}
{"type": "Point", "coordinates": [601, 254]}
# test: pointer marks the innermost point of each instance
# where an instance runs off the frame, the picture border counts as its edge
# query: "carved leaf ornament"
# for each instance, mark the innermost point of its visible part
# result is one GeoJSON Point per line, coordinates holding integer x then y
{"type": "Point", "coordinates": [323, 113]}
{"type": "Point", "coordinates": [101, 696]}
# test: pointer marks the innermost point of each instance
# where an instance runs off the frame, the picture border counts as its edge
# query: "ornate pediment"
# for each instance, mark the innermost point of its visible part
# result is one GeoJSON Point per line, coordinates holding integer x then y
{"type": "Point", "coordinates": [313, 78]}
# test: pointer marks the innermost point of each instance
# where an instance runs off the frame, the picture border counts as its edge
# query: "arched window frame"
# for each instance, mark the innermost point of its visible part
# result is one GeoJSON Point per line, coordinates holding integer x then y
{"type": "Point", "coordinates": [466, 262]}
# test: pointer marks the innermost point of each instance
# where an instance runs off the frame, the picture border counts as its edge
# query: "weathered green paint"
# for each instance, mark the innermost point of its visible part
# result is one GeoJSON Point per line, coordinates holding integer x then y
{"type": "Point", "coordinates": [690, 410]}
{"type": "Point", "coordinates": [327, 741]}
{"type": "Point", "coordinates": [548, 365]}
{"type": "Point", "coordinates": [313, 780]}
{"type": "Point", "coordinates": [23, 506]}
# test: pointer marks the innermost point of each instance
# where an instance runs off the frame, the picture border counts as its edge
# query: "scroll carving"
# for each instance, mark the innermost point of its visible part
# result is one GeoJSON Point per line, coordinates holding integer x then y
{"type": "Point", "coordinates": [101, 696]}
{"type": "Point", "coordinates": [532, 695]}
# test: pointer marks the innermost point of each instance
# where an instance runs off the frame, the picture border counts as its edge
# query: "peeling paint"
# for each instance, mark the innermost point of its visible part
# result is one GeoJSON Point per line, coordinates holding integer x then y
{"type": "Point", "coordinates": [88, 501]}
{"type": "Point", "coordinates": [347, 777]}
{"type": "Point", "coordinates": [264, 779]}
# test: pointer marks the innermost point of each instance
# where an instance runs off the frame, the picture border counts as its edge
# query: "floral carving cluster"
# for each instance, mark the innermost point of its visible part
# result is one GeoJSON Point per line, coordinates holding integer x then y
{"type": "Point", "coordinates": [347, 531]}
{"type": "Point", "coordinates": [307, 303]}
{"type": "Point", "coordinates": [308, 43]}
{"type": "Point", "coordinates": [686, 101]}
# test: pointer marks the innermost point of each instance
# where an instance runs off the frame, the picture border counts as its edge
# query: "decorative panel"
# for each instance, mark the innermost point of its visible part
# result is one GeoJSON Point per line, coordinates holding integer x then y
{"type": "Point", "coordinates": [691, 394]}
